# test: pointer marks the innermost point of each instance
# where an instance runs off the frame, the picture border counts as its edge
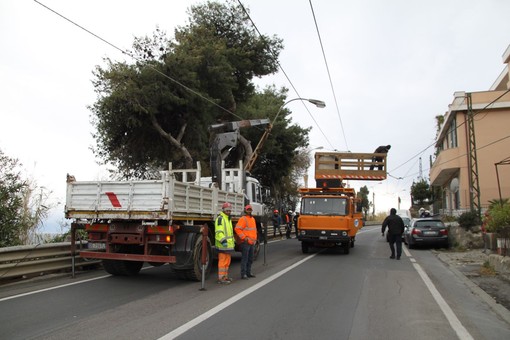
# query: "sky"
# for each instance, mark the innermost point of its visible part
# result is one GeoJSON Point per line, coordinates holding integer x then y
{"type": "Point", "coordinates": [385, 70]}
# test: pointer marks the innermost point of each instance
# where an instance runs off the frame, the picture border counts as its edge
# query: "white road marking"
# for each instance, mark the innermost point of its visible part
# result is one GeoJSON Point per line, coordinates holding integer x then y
{"type": "Point", "coordinates": [455, 323]}
{"type": "Point", "coordinates": [190, 324]}
{"type": "Point", "coordinates": [61, 286]}
{"type": "Point", "coordinates": [52, 288]}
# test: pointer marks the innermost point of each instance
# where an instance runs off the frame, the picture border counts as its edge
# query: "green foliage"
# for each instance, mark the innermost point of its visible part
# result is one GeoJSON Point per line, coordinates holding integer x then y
{"type": "Point", "coordinates": [365, 203]}
{"type": "Point", "coordinates": [469, 219]}
{"type": "Point", "coordinates": [421, 192]}
{"type": "Point", "coordinates": [11, 200]}
{"type": "Point", "coordinates": [159, 109]}
{"type": "Point", "coordinates": [23, 205]}
{"type": "Point", "coordinates": [498, 219]}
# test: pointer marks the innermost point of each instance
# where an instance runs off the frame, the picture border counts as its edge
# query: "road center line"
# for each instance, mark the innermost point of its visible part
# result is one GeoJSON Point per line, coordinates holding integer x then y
{"type": "Point", "coordinates": [190, 324]}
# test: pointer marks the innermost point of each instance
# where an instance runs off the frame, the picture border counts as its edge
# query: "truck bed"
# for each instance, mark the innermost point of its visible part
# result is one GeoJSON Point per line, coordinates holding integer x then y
{"type": "Point", "coordinates": [146, 199]}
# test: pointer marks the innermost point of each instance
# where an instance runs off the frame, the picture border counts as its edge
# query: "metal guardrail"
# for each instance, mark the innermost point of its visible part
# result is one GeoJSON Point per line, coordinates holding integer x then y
{"type": "Point", "coordinates": [41, 259]}
{"type": "Point", "coordinates": [36, 260]}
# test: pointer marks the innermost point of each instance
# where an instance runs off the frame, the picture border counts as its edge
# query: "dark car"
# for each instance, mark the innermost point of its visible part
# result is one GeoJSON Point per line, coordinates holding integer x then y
{"type": "Point", "coordinates": [407, 224]}
{"type": "Point", "coordinates": [426, 231]}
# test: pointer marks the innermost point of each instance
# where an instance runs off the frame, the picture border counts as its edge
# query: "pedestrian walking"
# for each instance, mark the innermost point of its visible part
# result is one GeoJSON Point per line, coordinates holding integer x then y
{"type": "Point", "coordinates": [246, 230]}
{"type": "Point", "coordinates": [277, 220]}
{"type": "Point", "coordinates": [395, 226]}
{"type": "Point", "coordinates": [224, 242]}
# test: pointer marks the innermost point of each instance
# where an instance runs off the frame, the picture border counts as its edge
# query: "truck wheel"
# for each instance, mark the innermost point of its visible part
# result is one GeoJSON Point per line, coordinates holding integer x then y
{"type": "Point", "coordinates": [347, 247]}
{"type": "Point", "coordinates": [121, 267]}
{"type": "Point", "coordinates": [304, 247]}
{"type": "Point", "coordinates": [195, 273]}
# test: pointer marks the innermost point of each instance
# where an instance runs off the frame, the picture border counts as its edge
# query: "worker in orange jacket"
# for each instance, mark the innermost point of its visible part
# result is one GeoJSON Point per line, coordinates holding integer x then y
{"type": "Point", "coordinates": [246, 230]}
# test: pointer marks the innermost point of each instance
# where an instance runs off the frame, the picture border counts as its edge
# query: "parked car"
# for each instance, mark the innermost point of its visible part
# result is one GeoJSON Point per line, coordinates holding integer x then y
{"type": "Point", "coordinates": [407, 224]}
{"type": "Point", "coordinates": [426, 231]}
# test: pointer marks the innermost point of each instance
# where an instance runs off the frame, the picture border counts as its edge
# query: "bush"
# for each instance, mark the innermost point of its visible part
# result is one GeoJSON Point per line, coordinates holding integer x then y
{"type": "Point", "coordinates": [498, 219]}
{"type": "Point", "coordinates": [469, 219]}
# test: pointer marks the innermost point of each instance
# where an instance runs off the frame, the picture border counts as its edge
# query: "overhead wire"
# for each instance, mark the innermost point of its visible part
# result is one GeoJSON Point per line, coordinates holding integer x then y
{"type": "Point", "coordinates": [329, 74]}
{"type": "Point", "coordinates": [285, 74]}
{"type": "Point", "coordinates": [139, 60]}
{"type": "Point", "coordinates": [456, 127]}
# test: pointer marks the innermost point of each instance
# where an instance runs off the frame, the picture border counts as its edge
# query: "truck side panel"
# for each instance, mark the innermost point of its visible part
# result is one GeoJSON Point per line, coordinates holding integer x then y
{"type": "Point", "coordinates": [149, 199]}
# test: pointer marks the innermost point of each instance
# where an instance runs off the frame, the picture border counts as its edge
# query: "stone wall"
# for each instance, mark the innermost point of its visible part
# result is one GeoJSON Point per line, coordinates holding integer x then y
{"type": "Point", "coordinates": [460, 237]}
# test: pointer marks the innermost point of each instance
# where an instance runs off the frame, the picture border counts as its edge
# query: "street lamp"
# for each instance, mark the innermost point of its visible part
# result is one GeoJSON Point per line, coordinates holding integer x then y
{"type": "Point", "coordinates": [319, 103]}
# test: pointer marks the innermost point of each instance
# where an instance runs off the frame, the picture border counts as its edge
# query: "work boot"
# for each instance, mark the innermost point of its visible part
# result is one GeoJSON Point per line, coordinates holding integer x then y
{"type": "Point", "coordinates": [251, 275]}
{"type": "Point", "coordinates": [223, 281]}
{"type": "Point", "coordinates": [244, 277]}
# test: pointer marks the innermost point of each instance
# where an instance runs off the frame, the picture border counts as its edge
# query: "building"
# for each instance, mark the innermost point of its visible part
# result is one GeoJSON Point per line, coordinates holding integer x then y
{"type": "Point", "coordinates": [474, 137]}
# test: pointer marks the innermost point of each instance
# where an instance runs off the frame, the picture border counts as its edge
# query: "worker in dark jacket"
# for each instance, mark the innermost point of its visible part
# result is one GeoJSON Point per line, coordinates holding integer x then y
{"type": "Point", "coordinates": [395, 230]}
{"type": "Point", "coordinates": [380, 149]}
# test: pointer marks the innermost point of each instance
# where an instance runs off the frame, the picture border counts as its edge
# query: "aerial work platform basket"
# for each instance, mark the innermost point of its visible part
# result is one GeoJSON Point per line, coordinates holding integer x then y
{"type": "Point", "coordinates": [333, 167]}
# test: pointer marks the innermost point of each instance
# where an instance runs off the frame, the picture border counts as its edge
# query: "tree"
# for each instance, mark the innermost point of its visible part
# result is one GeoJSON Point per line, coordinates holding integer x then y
{"type": "Point", "coordinates": [11, 201]}
{"type": "Point", "coordinates": [159, 109]}
{"type": "Point", "coordinates": [421, 192]}
{"type": "Point", "coordinates": [365, 203]}
{"type": "Point", "coordinates": [22, 210]}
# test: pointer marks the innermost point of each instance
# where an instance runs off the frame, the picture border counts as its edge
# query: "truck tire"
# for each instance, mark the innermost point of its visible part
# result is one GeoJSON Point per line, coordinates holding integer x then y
{"type": "Point", "coordinates": [304, 247]}
{"type": "Point", "coordinates": [195, 272]}
{"type": "Point", "coordinates": [347, 247]}
{"type": "Point", "coordinates": [122, 267]}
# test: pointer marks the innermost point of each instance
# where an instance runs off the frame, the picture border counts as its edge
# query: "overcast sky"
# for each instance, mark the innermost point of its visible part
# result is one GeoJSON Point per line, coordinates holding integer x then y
{"type": "Point", "coordinates": [394, 65]}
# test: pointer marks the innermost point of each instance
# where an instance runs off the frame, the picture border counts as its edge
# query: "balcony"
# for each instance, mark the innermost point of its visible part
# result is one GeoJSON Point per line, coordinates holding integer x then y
{"type": "Point", "coordinates": [446, 165]}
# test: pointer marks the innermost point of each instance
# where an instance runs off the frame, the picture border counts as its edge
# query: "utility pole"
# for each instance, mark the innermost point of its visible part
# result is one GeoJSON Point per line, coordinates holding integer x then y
{"type": "Point", "coordinates": [420, 173]}
{"type": "Point", "coordinates": [474, 188]}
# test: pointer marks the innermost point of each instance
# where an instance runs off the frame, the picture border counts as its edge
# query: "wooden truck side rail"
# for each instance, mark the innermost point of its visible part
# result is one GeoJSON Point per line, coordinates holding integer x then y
{"type": "Point", "coordinates": [350, 166]}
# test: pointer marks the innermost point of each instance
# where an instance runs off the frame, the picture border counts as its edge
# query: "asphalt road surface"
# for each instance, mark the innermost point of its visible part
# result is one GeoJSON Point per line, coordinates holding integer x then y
{"type": "Point", "coordinates": [321, 295]}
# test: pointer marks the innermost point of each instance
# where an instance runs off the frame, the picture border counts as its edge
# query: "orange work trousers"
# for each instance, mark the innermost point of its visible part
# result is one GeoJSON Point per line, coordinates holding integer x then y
{"type": "Point", "coordinates": [223, 264]}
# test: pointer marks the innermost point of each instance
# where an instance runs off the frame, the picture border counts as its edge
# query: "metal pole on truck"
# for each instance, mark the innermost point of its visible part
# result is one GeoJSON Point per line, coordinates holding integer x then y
{"type": "Point", "coordinates": [73, 249]}
{"type": "Point", "coordinates": [265, 243]}
{"type": "Point", "coordinates": [205, 233]}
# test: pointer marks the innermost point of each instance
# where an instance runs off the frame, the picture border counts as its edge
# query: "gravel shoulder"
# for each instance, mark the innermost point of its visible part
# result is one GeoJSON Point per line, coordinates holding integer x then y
{"type": "Point", "coordinates": [473, 266]}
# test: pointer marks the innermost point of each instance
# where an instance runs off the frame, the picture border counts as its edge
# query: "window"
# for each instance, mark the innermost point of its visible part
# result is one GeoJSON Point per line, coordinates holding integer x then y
{"type": "Point", "coordinates": [324, 206]}
{"type": "Point", "coordinates": [452, 134]}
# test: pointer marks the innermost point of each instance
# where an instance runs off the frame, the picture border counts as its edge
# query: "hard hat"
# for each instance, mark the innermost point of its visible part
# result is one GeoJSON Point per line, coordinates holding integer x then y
{"type": "Point", "coordinates": [248, 207]}
{"type": "Point", "coordinates": [422, 209]}
{"type": "Point", "coordinates": [290, 211]}
{"type": "Point", "coordinates": [276, 211]}
{"type": "Point", "coordinates": [226, 206]}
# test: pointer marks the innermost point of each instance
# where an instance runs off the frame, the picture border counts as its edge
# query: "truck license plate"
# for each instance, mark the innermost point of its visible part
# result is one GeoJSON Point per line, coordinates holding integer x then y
{"type": "Point", "coordinates": [94, 245]}
{"type": "Point", "coordinates": [323, 237]}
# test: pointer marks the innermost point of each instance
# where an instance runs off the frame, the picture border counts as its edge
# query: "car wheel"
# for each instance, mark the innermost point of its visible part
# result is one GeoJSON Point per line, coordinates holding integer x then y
{"type": "Point", "coordinates": [410, 245]}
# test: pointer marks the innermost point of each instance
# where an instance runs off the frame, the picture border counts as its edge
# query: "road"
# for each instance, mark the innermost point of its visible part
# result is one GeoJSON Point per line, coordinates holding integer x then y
{"type": "Point", "coordinates": [363, 295]}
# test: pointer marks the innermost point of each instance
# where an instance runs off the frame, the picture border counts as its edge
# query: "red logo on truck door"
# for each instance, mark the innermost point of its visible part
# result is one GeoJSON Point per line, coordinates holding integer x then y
{"type": "Point", "coordinates": [113, 199]}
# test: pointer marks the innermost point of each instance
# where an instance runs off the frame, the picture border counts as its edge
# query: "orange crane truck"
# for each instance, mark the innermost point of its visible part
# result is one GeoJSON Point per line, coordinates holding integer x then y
{"type": "Point", "coordinates": [331, 214]}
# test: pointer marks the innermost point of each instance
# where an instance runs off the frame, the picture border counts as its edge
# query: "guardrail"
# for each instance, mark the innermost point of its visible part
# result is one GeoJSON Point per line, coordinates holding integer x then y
{"type": "Point", "coordinates": [41, 259]}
